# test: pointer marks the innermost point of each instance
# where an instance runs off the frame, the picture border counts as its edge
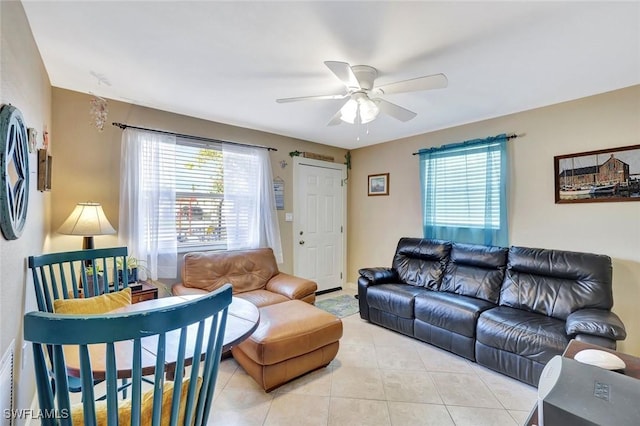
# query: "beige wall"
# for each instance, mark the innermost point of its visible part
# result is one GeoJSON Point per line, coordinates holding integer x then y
{"type": "Point", "coordinates": [597, 122]}
{"type": "Point", "coordinates": [86, 162]}
{"type": "Point", "coordinates": [24, 84]}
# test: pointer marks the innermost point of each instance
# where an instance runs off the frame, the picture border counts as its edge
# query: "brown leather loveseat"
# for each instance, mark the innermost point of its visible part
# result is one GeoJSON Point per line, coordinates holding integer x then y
{"type": "Point", "coordinates": [293, 337]}
{"type": "Point", "coordinates": [253, 273]}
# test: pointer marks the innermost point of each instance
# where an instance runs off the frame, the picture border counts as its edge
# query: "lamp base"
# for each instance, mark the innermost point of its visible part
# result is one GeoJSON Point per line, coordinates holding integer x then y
{"type": "Point", "coordinates": [87, 243]}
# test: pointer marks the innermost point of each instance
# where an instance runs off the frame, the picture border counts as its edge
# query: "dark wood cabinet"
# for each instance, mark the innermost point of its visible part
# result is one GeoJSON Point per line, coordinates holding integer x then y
{"type": "Point", "coordinates": [146, 292]}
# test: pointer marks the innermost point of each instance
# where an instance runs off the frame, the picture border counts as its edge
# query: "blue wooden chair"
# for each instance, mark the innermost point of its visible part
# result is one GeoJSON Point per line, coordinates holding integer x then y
{"type": "Point", "coordinates": [185, 401]}
{"type": "Point", "coordinates": [65, 275]}
{"type": "Point", "coordinates": [69, 275]}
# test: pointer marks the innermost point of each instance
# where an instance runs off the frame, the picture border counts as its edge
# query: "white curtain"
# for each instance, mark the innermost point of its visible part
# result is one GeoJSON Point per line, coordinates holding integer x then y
{"type": "Point", "coordinates": [250, 215]}
{"type": "Point", "coordinates": [147, 201]}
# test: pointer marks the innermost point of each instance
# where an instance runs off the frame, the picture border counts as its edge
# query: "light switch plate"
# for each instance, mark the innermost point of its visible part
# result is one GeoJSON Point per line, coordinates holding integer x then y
{"type": "Point", "coordinates": [288, 217]}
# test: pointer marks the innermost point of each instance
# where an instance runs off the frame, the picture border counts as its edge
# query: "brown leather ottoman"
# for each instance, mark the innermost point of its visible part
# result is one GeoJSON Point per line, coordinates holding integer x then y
{"type": "Point", "coordinates": [293, 338]}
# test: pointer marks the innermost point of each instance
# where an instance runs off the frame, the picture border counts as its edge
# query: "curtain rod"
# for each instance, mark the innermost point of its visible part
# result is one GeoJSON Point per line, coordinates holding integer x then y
{"type": "Point", "coordinates": [511, 136]}
{"type": "Point", "coordinates": [198, 138]}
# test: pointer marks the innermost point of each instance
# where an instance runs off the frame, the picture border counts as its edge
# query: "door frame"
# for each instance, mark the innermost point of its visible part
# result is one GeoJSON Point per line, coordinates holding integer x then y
{"type": "Point", "coordinates": [297, 163]}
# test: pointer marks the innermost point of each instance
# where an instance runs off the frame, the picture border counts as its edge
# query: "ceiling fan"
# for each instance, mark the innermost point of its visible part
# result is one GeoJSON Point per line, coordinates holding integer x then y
{"type": "Point", "coordinates": [360, 107]}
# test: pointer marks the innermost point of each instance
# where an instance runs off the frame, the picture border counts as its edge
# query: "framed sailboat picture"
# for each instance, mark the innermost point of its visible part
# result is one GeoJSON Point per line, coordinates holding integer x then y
{"type": "Point", "coordinates": [598, 176]}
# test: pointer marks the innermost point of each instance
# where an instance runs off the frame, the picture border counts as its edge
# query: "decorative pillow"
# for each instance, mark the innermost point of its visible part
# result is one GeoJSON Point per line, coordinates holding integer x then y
{"type": "Point", "coordinates": [167, 395]}
{"type": "Point", "coordinates": [93, 305]}
{"type": "Point", "coordinates": [146, 411]}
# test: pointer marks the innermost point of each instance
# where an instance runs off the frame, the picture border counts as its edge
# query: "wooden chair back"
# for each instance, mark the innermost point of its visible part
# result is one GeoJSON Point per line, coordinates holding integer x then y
{"type": "Point", "coordinates": [200, 323]}
{"type": "Point", "coordinates": [74, 274]}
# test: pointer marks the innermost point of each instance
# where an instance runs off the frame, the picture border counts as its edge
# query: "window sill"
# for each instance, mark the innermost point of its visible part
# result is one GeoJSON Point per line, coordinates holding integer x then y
{"type": "Point", "coordinates": [203, 247]}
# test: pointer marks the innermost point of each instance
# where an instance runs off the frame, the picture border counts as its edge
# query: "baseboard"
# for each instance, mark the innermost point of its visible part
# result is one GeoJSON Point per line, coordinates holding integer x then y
{"type": "Point", "coordinates": [330, 290]}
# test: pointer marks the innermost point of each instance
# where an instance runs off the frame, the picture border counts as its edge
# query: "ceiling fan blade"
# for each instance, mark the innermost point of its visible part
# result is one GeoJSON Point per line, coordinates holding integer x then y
{"type": "Point", "coordinates": [345, 74]}
{"type": "Point", "coordinates": [395, 111]}
{"type": "Point", "coordinates": [435, 81]}
{"type": "Point", "coordinates": [311, 98]}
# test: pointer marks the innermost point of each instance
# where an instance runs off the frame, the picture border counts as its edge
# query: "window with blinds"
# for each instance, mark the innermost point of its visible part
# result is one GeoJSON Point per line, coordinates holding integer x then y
{"type": "Point", "coordinates": [199, 195]}
{"type": "Point", "coordinates": [465, 185]}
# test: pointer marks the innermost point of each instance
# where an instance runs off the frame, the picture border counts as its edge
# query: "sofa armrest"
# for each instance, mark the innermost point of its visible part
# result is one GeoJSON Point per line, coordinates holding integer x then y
{"type": "Point", "coordinates": [596, 340]}
{"type": "Point", "coordinates": [291, 286]}
{"type": "Point", "coordinates": [180, 290]}
{"type": "Point", "coordinates": [379, 275]}
{"type": "Point", "coordinates": [370, 277]}
{"type": "Point", "coordinates": [597, 322]}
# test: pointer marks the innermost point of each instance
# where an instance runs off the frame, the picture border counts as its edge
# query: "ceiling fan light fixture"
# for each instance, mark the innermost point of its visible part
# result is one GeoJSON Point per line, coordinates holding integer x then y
{"type": "Point", "coordinates": [359, 109]}
{"type": "Point", "coordinates": [368, 110]}
{"type": "Point", "coordinates": [349, 111]}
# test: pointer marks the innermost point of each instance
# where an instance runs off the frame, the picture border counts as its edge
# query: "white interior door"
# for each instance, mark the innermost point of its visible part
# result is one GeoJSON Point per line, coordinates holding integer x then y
{"type": "Point", "coordinates": [319, 212]}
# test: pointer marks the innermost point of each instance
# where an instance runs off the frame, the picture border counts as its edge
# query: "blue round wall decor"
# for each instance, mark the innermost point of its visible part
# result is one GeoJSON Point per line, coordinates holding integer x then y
{"type": "Point", "coordinates": [14, 172]}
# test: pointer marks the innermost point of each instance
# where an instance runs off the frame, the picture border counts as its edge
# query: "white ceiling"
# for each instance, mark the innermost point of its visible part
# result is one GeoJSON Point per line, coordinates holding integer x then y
{"type": "Point", "coordinates": [229, 61]}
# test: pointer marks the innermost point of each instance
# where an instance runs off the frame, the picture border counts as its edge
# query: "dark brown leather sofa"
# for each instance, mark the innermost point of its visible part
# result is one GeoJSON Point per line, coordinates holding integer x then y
{"type": "Point", "coordinates": [509, 309]}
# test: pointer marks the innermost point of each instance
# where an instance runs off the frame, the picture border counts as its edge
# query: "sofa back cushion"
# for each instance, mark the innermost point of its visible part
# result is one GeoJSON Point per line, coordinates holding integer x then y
{"type": "Point", "coordinates": [476, 271]}
{"type": "Point", "coordinates": [556, 283]}
{"type": "Point", "coordinates": [246, 270]}
{"type": "Point", "coordinates": [421, 262]}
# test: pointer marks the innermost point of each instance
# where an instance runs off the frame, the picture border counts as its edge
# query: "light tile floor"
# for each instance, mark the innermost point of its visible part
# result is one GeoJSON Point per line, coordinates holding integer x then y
{"type": "Point", "coordinates": [379, 377]}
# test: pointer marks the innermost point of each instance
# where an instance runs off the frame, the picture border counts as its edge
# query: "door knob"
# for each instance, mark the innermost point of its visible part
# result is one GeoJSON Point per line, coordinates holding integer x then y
{"type": "Point", "coordinates": [301, 242]}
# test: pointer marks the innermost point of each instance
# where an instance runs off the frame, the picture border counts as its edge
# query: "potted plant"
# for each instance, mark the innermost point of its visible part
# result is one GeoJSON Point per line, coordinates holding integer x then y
{"type": "Point", "coordinates": [132, 264]}
{"type": "Point", "coordinates": [136, 266]}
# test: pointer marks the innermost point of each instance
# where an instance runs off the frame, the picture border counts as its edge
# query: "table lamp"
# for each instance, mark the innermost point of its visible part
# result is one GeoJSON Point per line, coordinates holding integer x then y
{"type": "Point", "coordinates": [87, 219]}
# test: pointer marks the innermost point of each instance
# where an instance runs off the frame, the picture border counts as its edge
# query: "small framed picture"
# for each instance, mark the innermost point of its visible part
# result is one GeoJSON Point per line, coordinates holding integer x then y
{"type": "Point", "coordinates": [378, 184]}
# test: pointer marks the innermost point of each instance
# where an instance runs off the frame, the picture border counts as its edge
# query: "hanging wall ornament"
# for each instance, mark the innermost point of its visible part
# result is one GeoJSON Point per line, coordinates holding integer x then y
{"type": "Point", "coordinates": [99, 111]}
{"type": "Point", "coordinates": [14, 172]}
{"type": "Point", "coordinates": [32, 134]}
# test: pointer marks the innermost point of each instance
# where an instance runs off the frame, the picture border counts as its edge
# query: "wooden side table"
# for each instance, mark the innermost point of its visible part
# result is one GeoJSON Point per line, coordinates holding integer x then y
{"type": "Point", "coordinates": [147, 292]}
{"type": "Point", "coordinates": [140, 293]}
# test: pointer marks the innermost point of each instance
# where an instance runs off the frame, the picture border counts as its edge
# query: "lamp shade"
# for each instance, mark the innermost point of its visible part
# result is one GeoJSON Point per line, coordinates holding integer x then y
{"type": "Point", "coordinates": [359, 109]}
{"type": "Point", "coordinates": [87, 219]}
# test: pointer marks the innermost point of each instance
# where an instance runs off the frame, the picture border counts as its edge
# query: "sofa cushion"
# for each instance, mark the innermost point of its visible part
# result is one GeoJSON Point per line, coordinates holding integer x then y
{"type": "Point", "coordinates": [556, 283]}
{"type": "Point", "coordinates": [246, 270]}
{"type": "Point", "coordinates": [452, 312]}
{"type": "Point", "coordinates": [476, 271]}
{"type": "Point", "coordinates": [396, 299]}
{"type": "Point", "coordinates": [421, 262]}
{"type": "Point", "coordinates": [262, 298]}
{"type": "Point", "coordinates": [534, 336]}
{"type": "Point", "coordinates": [288, 330]}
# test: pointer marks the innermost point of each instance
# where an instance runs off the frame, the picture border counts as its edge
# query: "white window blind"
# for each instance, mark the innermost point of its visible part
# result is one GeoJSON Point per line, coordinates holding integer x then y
{"type": "Point", "coordinates": [199, 186]}
{"type": "Point", "coordinates": [465, 188]}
